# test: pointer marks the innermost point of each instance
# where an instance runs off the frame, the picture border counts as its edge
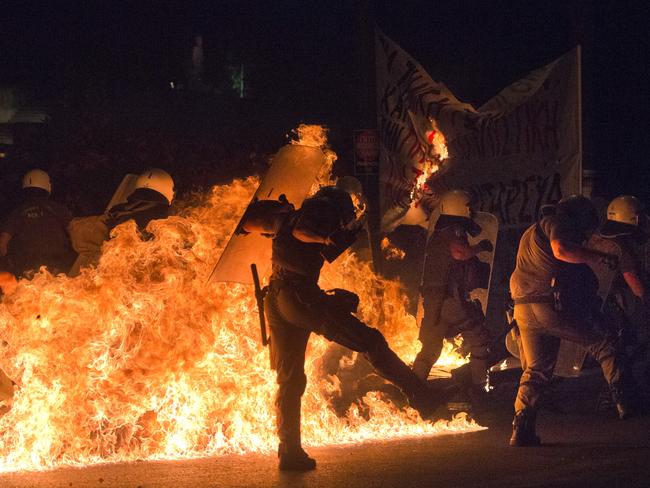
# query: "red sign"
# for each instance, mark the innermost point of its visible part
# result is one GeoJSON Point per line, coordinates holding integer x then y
{"type": "Point", "coordinates": [366, 152]}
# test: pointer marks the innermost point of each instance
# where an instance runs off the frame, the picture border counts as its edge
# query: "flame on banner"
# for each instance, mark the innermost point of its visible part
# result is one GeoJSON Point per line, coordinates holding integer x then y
{"type": "Point", "coordinates": [141, 358]}
{"type": "Point", "coordinates": [432, 152]}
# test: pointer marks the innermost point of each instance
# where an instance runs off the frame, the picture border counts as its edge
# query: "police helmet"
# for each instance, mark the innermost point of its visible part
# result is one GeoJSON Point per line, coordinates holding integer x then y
{"type": "Point", "coordinates": [625, 209]}
{"type": "Point", "coordinates": [37, 178]}
{"type": "Point", "coordinates": [625, 216]}
{"type": "Point", "coordinates": [456, 203]}
{"type": "Point", "coordinates": [157, 180]}
{"type": "Point", "coordinates": [338, 198]}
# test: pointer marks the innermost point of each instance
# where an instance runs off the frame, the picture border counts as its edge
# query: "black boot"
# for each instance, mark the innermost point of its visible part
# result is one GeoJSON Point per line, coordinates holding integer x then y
{"type": "Point", "coordinates": [427, 398]}
{"type": "Point", "coordinates": [626, 404]}
{"type": "Point", "coordinates": [523, 429]}
{"type": "Point", "coordinates": [294, 458]}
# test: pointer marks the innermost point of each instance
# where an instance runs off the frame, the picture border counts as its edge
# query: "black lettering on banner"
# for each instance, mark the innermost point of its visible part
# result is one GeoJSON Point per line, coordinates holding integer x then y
{"type": "Point", "coordinates": [517, 203]}
{"type": "Point", "coordinates": [524, 214]}
{"type": "Point", "coordinates": [384, 104]}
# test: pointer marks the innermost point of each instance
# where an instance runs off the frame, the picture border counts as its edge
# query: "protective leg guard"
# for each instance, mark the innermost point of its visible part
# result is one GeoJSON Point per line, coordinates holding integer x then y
{"type": "Point", "coordinates": [523, 429]}
{"type": "Point", "coordinates": [294, 458]}
{"type": "Point", "coordinates": [425, 400]}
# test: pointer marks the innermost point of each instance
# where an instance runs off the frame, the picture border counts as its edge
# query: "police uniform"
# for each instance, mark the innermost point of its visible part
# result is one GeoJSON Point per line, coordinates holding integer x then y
{"type": "Point", "coordinates": [448, 310]}
{"type": "Point", "coordinates": [143, 206]}
{"type": "Point", "coordinates": [541, 324]}
{"type": "Point", "coordinates": [296, 307]}
{"type": "Point", "coordinates": [38, 235]}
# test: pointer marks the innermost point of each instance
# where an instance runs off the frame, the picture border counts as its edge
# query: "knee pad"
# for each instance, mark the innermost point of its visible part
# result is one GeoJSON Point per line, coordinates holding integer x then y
{"type": "Point", "coordinates": [294, 386]}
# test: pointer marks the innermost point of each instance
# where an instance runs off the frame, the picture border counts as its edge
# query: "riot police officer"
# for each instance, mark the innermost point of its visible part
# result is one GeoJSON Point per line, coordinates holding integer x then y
{"type": "Point", "coordinates": [451, 271]}
{"type": "Point", "coordinates": [35, 233]}
{"type": "Point", "coordinates": [324, 226]}
{"type": "Point", "coordinates": [547, 250]}
{"type": "Point", "coordinates": [627, 225]}
{"type": "Point", "coordinates": [150, 200]}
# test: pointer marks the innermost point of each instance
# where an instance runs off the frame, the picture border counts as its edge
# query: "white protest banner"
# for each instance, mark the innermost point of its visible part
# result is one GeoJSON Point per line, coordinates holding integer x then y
{"type": "Point", "coordinates": [518, 151]}
{"type": "Point", "coordinates": [523, 148]}
{"type": "Point", "coordinates": [408, 105]}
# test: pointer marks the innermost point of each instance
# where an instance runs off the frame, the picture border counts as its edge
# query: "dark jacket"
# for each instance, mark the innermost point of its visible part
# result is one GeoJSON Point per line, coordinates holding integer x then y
{"type": "Point", "coordinates": [143, 206]}
{"type": "Point", "coordinates": [38, 229]}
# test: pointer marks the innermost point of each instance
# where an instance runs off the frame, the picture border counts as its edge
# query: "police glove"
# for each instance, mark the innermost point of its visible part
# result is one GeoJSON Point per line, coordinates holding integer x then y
{"type": "Point", "coordinates": [486, 245]}
{"type": "Point", "coordinates": [338, 242]}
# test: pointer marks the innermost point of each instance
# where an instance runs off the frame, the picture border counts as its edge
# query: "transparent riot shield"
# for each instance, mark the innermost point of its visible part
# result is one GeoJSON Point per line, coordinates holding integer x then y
{"type": "Point", "coordinates": [571, 356]}
{"type": "Point", "coordinates": [294, 171]}
{"type": "Point", "coordinates": [489, 229]}
{"type": "Point", "coordinates": [126, 187]}
{"type": "Point", "coordinates": [489, 225]}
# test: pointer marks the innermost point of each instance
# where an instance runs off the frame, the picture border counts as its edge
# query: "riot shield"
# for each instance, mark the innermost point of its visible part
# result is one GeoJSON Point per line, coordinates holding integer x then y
{"type": "Point", "coordinates": [571, 356]}
{"type": "Point", "coordinates": [489, 230]}
{"type": "Point", "coordinates": [294, 171]}
{"type": "Point", "coordinates": [604, 273]}
{"type": "Point", "coordinates": [127, 186]}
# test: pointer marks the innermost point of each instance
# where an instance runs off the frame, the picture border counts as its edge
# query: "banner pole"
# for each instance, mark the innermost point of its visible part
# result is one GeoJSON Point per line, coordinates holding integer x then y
{"type": "Point", "coordinates": [580, 155]}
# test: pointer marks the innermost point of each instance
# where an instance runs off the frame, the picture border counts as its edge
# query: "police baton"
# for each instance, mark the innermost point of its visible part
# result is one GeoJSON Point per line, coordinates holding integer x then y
{"type": "Point", "coordinates": [260, 293]}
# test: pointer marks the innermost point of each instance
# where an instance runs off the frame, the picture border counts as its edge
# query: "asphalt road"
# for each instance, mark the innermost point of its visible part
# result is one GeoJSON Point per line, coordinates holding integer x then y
{"type": "Point", "coordinates": [581, 448]}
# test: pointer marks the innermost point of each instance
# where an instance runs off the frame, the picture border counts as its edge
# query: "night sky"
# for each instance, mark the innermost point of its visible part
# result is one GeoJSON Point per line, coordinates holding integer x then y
{"type": "Point", "coordinates": [308, 57]}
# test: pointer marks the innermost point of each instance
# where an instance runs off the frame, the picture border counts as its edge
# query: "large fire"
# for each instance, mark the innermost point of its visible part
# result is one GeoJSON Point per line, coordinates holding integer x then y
{"type": "Point", "coordinates": [141, 358]}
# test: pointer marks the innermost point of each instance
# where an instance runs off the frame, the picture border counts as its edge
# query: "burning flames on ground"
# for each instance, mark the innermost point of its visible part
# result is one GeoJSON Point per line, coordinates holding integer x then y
{"type": "Point", "coordinates": [141, 358]}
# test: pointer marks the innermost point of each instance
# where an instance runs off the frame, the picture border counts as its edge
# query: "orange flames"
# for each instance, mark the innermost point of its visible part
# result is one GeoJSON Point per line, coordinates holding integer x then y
{"type": "Point", "coordinates": [141, 358]}
{"type": "Point", "coordinates": [433, 153]}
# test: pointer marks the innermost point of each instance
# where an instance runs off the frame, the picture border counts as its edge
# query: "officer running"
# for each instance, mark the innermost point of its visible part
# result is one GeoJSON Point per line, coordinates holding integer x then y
{"type": "Point", "coordinates": [323, 227]}
{"type": "Point", "coordinates": [35, 233]}
{"type": "Point", "coordinates": [547, 250]}
{"type": "Point", "coordinates": [451, 271]}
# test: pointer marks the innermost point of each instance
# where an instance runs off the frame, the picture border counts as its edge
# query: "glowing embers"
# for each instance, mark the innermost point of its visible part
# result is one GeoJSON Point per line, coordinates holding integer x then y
{"type": "Point", "coordinates": [142, 359]}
